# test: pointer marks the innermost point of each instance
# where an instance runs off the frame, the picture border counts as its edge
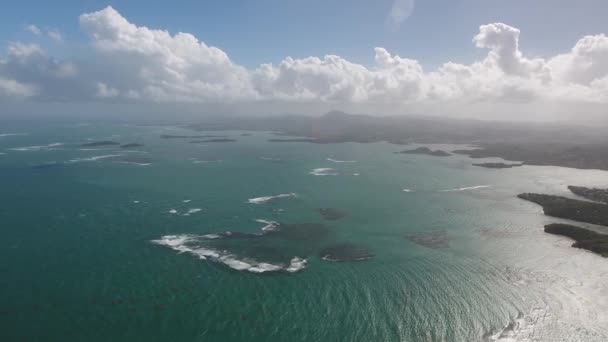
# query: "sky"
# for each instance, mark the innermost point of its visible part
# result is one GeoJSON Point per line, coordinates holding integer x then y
{"type": "Point", "coordinates": [382, 56]}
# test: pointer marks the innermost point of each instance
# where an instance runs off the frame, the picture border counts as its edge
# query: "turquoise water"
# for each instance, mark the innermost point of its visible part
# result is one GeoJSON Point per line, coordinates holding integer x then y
{"type": "Point", "coordinates": [78, 261]}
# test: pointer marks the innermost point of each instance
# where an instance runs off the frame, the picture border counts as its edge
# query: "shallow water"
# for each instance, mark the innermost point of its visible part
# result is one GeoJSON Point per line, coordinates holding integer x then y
{"type": "Point", "coordinates": [457, 257]}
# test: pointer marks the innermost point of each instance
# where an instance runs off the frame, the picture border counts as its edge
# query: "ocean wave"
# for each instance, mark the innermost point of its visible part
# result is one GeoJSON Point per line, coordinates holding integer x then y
{"type": "Point", "coordinates": [189, 244]}
{"type": "Point", "coordinates": [134, 163]}
{"type": "Point", "coordinates": [267, 199]}
{"type": "Point", "coordinates": [196, 161]}
{"type": "Point", "coordinates": [324, 171]}
{"type": "Point", "coordinates": [94, 158]}
{"type": "Point", "coordinates": [192, 211]}
{"type": "Point", "coordinates": [341, 161]}
{"type": "Point", "coordinates": [523, 328]}
{"type": "Point", "coordinates": [37, 148]}
{"type": "Point", "coordinates": [270, 226]}
{"type": "Point", "coordinates": [467, 188]}
{"type": "Point", "coordinates": [11, 134]}
{"type": "Point", "coordinates": [407, 190]}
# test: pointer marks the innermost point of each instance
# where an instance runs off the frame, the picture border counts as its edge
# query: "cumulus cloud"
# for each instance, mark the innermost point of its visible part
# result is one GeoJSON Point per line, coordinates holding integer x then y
{"type": "Point", "coordinates": [13, 88]}
{"type": "Point", "coordinates": [137, 63]}
{"type": "Point", "coordinates": [164, 67]}
{"type": "Point", "coordinates": [55, 35]}
{"type": "Point", "coordinates": [33, 29]}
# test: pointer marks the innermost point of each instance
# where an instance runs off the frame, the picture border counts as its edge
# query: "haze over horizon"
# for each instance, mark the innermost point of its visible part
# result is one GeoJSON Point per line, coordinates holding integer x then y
{"type": "Point", "coordinates": [109, 59]}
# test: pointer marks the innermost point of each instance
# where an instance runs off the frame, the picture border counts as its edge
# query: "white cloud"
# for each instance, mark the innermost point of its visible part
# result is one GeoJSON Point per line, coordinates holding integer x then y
{"type": "Point", "coordinates": [143, 64]}
{"type": "Point", "coordinates": [103, 91]}
{"type": "Point", "coordinates": [55, 35]}
{"type": "Point", "coordinates": [12, 88]}
{"type": "Point", "coordinates": [165, 67]}
{"type": "Point", "coordinates": [33, 29]}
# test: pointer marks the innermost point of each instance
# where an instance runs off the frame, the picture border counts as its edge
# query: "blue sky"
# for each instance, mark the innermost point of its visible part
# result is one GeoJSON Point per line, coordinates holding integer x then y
{"type": "Point", "coordinates": [255, 32]}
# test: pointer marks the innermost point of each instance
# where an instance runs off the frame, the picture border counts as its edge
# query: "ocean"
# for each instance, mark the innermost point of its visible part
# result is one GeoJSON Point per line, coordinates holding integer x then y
{"type": "Point", "coordinates": [226, 241]}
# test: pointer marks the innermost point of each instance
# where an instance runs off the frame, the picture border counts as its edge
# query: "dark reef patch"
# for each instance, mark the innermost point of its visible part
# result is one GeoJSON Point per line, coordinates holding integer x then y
{"type": "Point", "coordinates": [131, 145]}
{"type": "Point", "coordinates": [331, 214]}
{"type": "Point", "coordinates": [100, 143]}
{"type": "Point", "coordinates": [345, 252]}
{"type": "Point", "coordinates": [217, 140]}
{"type": "Point", "coordinates": [434, 240]}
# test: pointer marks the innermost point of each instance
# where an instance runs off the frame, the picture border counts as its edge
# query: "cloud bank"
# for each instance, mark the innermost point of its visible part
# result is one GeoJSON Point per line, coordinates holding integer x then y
{"type": "Point", "coordinates": [140, 64]}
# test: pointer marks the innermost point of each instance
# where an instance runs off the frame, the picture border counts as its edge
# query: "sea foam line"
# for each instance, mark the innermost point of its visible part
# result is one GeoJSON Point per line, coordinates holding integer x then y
{"type": "Point", "coordinates": [36, 148]}
{"type": "Point", "coordinates": [341, 161]}
{"type": "Point", "coordinates": [324, 171]}
{"type": "Point", "coordinates": [186, 244]}
{"type": "Point", "coordinates": [267, 199]}
{"type": "Point", "coordinates": [467, 188]}
{"type": "Point", "coordinates": [94, 158]}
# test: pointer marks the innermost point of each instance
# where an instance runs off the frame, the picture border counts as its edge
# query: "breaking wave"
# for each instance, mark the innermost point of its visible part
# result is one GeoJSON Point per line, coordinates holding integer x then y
{"type": "Point", "coordinates": [467, 188]}
{"type": "Point", "coordinates": [37, 148]}
{"type": "Point", "coordinates": [267, 199]}
{"type": "Point", "coordinates": [94, 158]}
{"type": "Point", "coordinates": [324, 171]}
{"type": "Point", "coordinates": [191, 244]}
{"type": "Point", "coordinates": [11, 134]}
{"type": "Point", "coordinates": [341, 161]}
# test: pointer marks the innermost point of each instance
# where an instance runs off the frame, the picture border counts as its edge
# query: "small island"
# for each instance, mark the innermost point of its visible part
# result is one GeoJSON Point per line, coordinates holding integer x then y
{"type": "Point", "coordinates": [596, 195]}
{"type": "Point", "coordinates": [585, 239]}
{"type": "Point", "coordinates": [498, 165]}
{"type": "Point", "coordinates": [567, 208]}
{"type": "Point", "coordinates": [100, 143]}
{"type": "Point", "coordinates": [131, 145]}
{"type": "Point", "coordinates": [218, 140]}
{"type": "Point", "coordinates": [427, 151]}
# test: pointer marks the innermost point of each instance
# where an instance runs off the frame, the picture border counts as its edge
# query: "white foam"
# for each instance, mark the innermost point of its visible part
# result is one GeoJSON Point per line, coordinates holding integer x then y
{"type": "Point", "coordinates": [136, 202]}
{"type": "Point", "coordinates": [341, 161]}
{"type": "Point", "coordinates": [296, 264]}
{"type": "Point", "coordinates": [266, 199]}
{"type": "Point", "coordinates": [172, 211]}
{"type": "Point", "coordinates": [186, 201]}
{"type": "Point", "coordinates": [94, 158]}
{"type": "Point", "coordinates": [324, 171]}
{"type": "Point", "coordinates": [180, 243]}
{"type": "Point", "coordinates": [270, 226]}
{"type": "Point", "coordinates": [522, 328]}
{"type": "Point", "coordinates": [467, 188]}
{"type": "Point", "coordinates": [134, 163]}
{"type": "Point", "coordinates": [11, 134]}
{"type": "Point", "coordinates": [37, 148]}
{"type": "Point", "coordinates": [356, 174]}
{"type": "Point", "coordinates": [191, 211]}
{"type": "Point", "coordinates": [211, 236]}
{"type": "Point", "coordinates": [407, 190]}
{"type": "Point", "coordinates": [206, 161]}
